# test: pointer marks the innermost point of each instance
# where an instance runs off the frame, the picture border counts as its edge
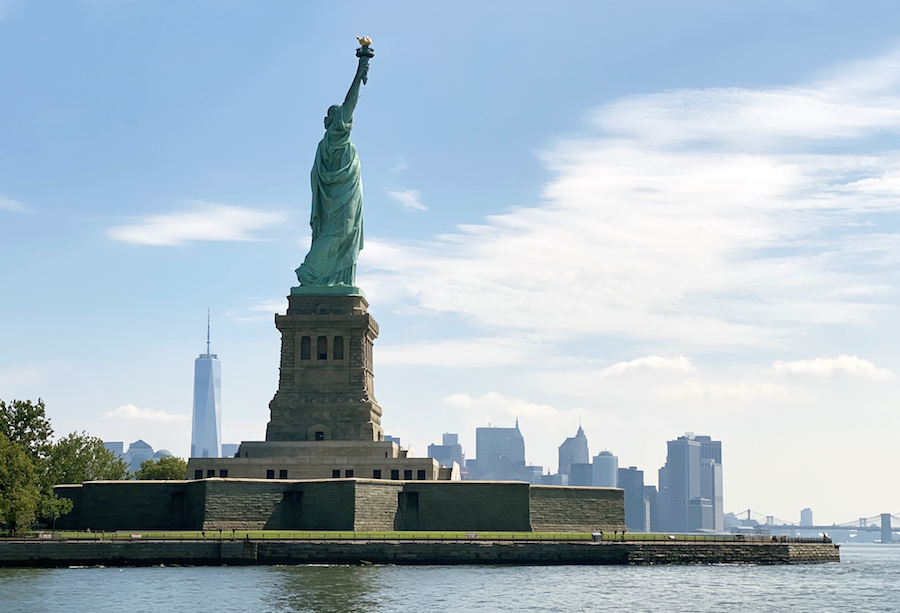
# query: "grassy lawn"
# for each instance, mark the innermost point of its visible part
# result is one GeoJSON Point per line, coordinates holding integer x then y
{"type": "Point", "coordinates": [322, 535]}
{"type": "Point", "coordinates": [368, 536]}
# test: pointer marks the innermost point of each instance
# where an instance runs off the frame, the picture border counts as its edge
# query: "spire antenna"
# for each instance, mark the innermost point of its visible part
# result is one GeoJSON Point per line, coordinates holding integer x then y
{"type": "Point", "coordinates": [207, 330]}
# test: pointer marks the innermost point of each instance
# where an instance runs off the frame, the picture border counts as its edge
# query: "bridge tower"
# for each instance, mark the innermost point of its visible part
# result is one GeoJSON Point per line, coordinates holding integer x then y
{"type": "Point", "coordinates": [886, 534]}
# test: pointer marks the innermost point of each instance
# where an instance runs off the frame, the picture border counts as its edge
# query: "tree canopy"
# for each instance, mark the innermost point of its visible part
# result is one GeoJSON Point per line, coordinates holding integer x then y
{"type": "Point", "coordinates": [31, 464]}
{"type": "Point", "coordinates": [82, 457]}
{"type": "Point", "coordinates": [19, 495]}
{"type": "Point", "coordinates": [165, 468]}
{"type": "Point", "coordinates": [27, 424]}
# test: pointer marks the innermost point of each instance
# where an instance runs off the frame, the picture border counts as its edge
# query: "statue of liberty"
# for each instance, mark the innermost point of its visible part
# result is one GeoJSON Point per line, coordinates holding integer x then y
{"type": "Point", "coordinates": [337, 198]}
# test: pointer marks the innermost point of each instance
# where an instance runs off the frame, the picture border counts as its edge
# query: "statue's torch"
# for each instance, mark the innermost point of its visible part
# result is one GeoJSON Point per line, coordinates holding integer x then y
{"type": "Point", "coordinates": [364, 53]}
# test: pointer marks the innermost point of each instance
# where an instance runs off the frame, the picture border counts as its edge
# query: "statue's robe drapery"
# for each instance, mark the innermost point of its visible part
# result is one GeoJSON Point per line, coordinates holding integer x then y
{"type": "Point", "coordinates": [337, 210]}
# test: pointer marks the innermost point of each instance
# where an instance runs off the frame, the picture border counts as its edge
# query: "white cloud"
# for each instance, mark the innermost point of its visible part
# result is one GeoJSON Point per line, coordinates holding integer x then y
{"type": "Point", "coordinates": [399, 166]}
{"type": "Point", "coordinates": [208, 222]}
{"type": "Point", "coordinates": [470, 353]}
{"type": "Point", "coordinates": [261, 310]}
{"type": "Point", "coordinates": [130, 411]}
{"type": "Point", "coordinates": [709, 218]}
{"type": "Point", "coordinates": [496, 404]}
{"type": "Point", "coordinates": [826, 367]}
{"type": "Point", "coordinates": [848, 104]}
{"type": "Point", "coordinates": [650, 362]}
{"type": "Point", "coordinates": [11, 205]}
{"type": "Point", "coordinates": [694, 388]}
{"type": "Point", "coordinates": [408, 199]}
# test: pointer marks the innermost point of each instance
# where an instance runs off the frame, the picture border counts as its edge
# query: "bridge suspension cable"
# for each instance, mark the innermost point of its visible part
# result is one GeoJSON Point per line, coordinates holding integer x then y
{"type": "Point", "coordinates": [862, 522]}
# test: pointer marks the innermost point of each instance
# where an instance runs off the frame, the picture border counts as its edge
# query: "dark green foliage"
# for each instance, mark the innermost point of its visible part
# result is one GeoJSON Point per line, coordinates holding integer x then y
{"type": "Point", "coordinates": [82, 457]}
{"type": "Point", "coordinates": [19, 495]}
{"type": "Point", "coordinates": [162, 469]}
{"type": "Point", "coordinates": [26, 424]}
{"type": "Point", "coordinates": [31, 464]}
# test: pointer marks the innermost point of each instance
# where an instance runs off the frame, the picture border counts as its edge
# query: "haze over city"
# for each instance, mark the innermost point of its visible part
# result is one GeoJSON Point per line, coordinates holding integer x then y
{"type": "Point", "coordinates": [648, 219]}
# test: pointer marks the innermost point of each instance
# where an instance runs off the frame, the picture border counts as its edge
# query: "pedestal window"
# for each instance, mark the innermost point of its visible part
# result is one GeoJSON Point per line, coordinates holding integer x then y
{"type": "Point", "coordinates": [305, 347]}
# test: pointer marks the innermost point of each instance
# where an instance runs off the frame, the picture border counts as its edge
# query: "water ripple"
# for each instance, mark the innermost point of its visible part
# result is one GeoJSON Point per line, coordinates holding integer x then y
{"type": "Point", "coordinates": [867, 581]}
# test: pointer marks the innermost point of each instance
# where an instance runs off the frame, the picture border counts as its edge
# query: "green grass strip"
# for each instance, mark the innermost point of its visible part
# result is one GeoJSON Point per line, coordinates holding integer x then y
{"type": "Point", "coordinates": [324, 535]}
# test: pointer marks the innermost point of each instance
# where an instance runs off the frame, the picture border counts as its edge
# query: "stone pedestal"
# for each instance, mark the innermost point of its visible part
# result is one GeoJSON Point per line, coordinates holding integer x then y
{"type": "Point", "coordinates": [326, 383]}
{"type": "Point", "coordinates": [325, 422]}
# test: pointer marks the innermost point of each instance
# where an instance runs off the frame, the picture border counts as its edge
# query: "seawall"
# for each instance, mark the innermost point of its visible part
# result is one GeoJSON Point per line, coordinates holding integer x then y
{"type": "Point", "coordinates": [250, 552]}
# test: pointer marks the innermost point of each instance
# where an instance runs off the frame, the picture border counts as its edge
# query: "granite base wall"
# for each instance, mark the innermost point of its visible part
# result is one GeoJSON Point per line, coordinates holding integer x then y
{"type": "Point", "coordinates": [339, 504]}
{"type": "Point", "coordinates": [375, 506]}
{"type": "Point", "coordinates": [464, 505]}
{"type": "Point", "coordinates": [576, 509]}
{"type": "Point", "coordinates": [126, 505]}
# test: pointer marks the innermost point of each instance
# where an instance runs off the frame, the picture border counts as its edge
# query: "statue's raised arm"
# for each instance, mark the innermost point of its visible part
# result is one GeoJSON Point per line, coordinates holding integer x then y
{"type": "Point", "coordinates": [336, 215]}
{"type": "Point", "coordinates": [364, 53]}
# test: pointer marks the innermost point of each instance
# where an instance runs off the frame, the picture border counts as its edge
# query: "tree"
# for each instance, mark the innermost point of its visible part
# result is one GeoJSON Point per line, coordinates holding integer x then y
{"type": "Point", "coordinates": [19, 495]}
{"type": "Point", "coordinates": [74, 459]}
{"type": "Point", "coordinates": [165, 468]}
{"type": "Point", "coordinates": [26, 424]}
{"type": "Point", "coordinates": [82, 457]}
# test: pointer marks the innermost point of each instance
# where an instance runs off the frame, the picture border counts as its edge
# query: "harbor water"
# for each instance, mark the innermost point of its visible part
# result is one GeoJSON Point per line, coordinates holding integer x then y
{"type": "Point", "coordinates": [867, 580]}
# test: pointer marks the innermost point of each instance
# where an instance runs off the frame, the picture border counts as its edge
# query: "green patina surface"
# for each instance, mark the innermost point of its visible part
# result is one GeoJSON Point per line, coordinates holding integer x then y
{"type": "Point", "coordinates": [327, 290]}
{"type": "Point", "coordinates": [336, 215]}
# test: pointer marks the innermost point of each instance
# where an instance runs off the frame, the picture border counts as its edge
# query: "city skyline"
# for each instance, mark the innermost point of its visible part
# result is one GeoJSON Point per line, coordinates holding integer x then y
{"type": "Point", "coordinates": [652, 219]}
{"type": "Point", "coordinates": [687, 496]}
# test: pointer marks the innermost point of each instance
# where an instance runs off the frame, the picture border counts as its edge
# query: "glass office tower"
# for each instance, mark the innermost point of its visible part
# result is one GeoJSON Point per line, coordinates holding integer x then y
{"type": "Point", "coordinates": [206, 432]}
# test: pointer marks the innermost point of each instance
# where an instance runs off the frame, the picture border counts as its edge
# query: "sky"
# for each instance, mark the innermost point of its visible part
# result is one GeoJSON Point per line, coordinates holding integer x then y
{"type": "Point", "coordinates": [649, 218]}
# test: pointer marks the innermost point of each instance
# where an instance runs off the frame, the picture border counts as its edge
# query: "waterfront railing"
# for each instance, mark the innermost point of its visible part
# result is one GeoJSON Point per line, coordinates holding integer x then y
{"type": "Point", "coordinates": [404, 536]}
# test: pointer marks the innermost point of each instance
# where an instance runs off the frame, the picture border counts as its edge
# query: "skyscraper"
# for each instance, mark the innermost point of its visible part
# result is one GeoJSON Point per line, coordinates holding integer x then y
{"type": "Point", "coordinates": [711, 489]}
{"type": "Point", "coordinates": [711, 479]}
{"type": "Point", "coordinates": [632, 481]}
{"type": "Point", "coordinates": [683, 481]}
{"type": "Point", "coordinates": [651, 495]}
{"type": "Point", "coordinates": [574, 450]}
{"type": "Point", "coordinates": [690, 485]}
{"type": "Point", "coordinates": [581, 474]}
{"type": "Point", "coordinates": [806, 517]}
{"type": "Point", "coordinates": [606, 470]}
{"type": "Point", "coordinates": [449, 451]}
{"type": "Point", "coordinates": [499, 455]}
{"type": "Point", "coordinates": [117, 447]}
{"type": "Point", "coordinates": [206, 431]}
{"type": "Point", "coordinates": [138, 452]}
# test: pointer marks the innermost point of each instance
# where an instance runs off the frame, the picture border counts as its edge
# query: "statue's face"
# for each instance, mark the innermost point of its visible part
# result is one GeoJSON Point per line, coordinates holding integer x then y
{"type": "Point", "coordinates": [332, 111]}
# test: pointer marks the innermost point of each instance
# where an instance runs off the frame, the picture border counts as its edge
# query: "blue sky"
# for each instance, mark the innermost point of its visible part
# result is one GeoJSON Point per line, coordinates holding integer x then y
{"type": "Point", "coordinates": [653, 217]}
